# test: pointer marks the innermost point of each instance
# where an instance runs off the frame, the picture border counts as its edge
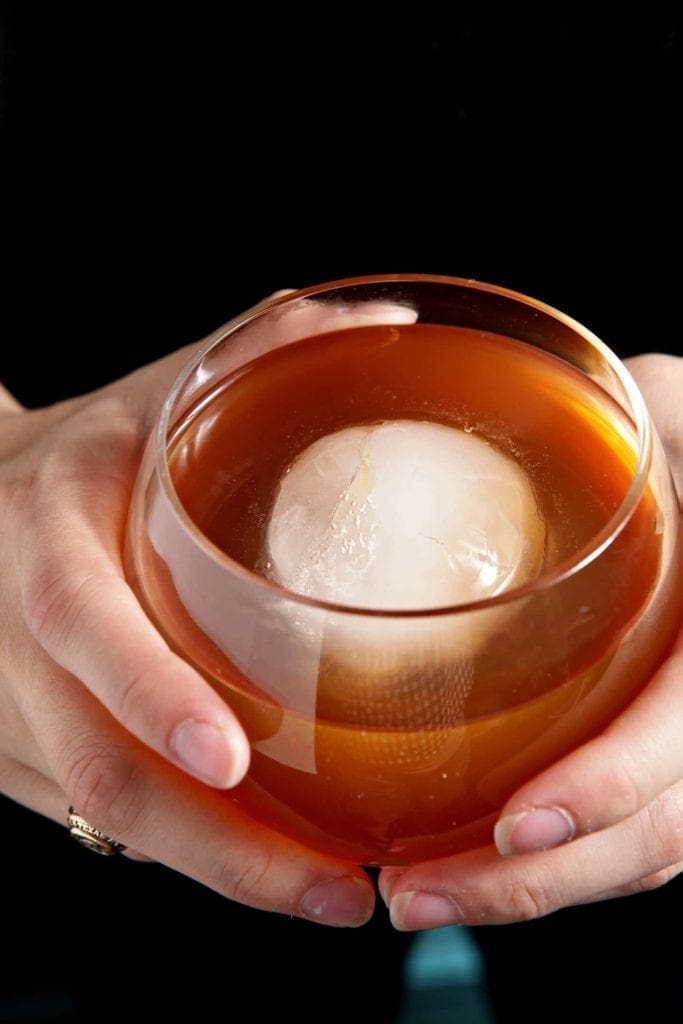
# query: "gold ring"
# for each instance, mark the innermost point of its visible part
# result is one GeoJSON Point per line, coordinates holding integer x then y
{"type": "Point", "coordinates": [89, 836]}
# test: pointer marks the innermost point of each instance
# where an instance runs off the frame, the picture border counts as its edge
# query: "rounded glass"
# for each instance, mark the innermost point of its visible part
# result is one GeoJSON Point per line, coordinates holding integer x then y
{"type": "Point", "coordinates": [388, 737]}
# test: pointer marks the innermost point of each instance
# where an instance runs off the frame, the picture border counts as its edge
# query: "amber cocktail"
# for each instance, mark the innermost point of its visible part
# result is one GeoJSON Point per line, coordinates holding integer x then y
{"type": "Point", "coordinates": [420, 535]}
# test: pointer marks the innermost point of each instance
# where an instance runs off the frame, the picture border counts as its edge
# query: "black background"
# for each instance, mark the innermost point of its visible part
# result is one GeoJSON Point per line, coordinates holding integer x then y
{"type": "Point", "coordinates": [163, 171]}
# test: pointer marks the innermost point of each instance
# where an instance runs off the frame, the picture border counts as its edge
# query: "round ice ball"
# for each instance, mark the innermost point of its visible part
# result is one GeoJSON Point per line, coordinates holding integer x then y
{"type": "Point", "coordinates": [404, 515]}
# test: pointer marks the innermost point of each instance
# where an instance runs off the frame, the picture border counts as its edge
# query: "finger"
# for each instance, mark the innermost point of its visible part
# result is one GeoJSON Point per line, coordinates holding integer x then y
{"type": "Point", "coordinates": [89, 621]}
{"type": "Point", "coordinates": [85, 616]}
{"type": "Point", "coordinates": [660, 379]}
{"type": "Point", "coordinates": [8, 402]}
{"type": "Point", "coordinates": [32, 789]}
{"type": "Point", "coordinates": [639, 756]}
{"type": "Point", "coordinates": [132, 795]}
{"type": "Point", "coordinates": [302, 316]}
{"type": "Point", "coordinates": [145, 389]}
{"type": "Point", "coordinates": [16, 741]}
{"type": "Point", "coordinates": [483, 888]}
{"type": "Point", "coordinates": [307, 316]}
{"type": "Point", "coordinates": [646, 884]}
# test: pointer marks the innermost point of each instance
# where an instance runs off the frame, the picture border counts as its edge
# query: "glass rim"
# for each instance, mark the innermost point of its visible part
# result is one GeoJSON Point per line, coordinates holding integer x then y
{"type": "Point", "coordinates": [587, 554]}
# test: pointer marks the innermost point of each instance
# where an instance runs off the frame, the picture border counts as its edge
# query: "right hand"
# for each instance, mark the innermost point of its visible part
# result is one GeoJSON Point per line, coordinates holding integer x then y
{"type": "Point", "coordinates": [603, 821]}
{"type": "Point", "coordinates": [95, 710]}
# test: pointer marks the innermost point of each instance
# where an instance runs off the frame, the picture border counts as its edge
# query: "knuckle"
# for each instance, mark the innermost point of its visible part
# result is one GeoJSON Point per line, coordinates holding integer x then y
{"type": "Point", "coordinates": [107, 433]}
{"type": "Point", "coordinates": [625, 785]}
{"type": "Point", "coordinates": [663, 826]}
{"type": "Point", "coordinates": [55, 599]}
{"type": "Point", "coordinates": [103, 786]}
{"type": "Point", "coordinates": [244, 881]}
{"type": "Point", "coordinates": [527, 900]}
{"type": "Point", "coordinates": [134, 693]}
{"type": "Point", "coordinates": [650, 371]}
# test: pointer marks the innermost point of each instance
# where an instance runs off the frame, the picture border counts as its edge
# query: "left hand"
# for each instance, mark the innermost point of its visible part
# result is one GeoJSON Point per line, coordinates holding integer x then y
{"type": "Point", "coordinates": [605, 821]}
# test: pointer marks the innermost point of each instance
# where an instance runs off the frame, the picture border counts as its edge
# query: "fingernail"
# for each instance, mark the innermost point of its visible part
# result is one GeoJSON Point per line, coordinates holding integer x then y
{"type": "Point", "coordinates": [386, 882]}
{"type": "Point", "coordinates": [206, 751]}
{"type": "Point", "coordinates": [346, 902]}
{"type": "Point", "coordinates": [384, 313]}
{"type": "Point", "coordinates": [540, 828]}
{"type": "Point", "coordinates": [415, 911]}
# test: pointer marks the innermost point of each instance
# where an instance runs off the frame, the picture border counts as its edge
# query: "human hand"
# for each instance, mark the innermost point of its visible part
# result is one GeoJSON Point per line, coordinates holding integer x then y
{"type": "Point", "coordinates": [95, 710]}
{"type": "Point", "coordinates": [605, 821]}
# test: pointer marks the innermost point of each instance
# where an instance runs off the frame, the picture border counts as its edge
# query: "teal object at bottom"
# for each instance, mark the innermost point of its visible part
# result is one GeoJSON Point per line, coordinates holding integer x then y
{"type": "Point", "coordinates": [445, 980]}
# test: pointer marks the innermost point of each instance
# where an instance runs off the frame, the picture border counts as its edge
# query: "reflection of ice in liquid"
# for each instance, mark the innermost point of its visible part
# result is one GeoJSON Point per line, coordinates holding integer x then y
{"type": "Point", "coordinates": [403, 515]}
{"type": "Point", "coordinates": [404, 714]}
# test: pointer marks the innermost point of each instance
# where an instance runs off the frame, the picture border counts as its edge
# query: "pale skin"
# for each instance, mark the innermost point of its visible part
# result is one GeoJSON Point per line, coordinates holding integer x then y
{"type": "Point", "coordinates": [95, 710]}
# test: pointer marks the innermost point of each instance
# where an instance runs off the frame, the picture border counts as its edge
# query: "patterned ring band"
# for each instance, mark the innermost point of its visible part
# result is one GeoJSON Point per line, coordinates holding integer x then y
{"type": "Point", "coordinates": [89, 836]}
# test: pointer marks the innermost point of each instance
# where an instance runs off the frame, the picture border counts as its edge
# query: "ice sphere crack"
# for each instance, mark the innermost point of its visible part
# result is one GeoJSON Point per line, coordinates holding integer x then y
{"type": "Point", "coordinates": [450, 558]}
{"type": "Point", "coordinates": [403, 514]}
